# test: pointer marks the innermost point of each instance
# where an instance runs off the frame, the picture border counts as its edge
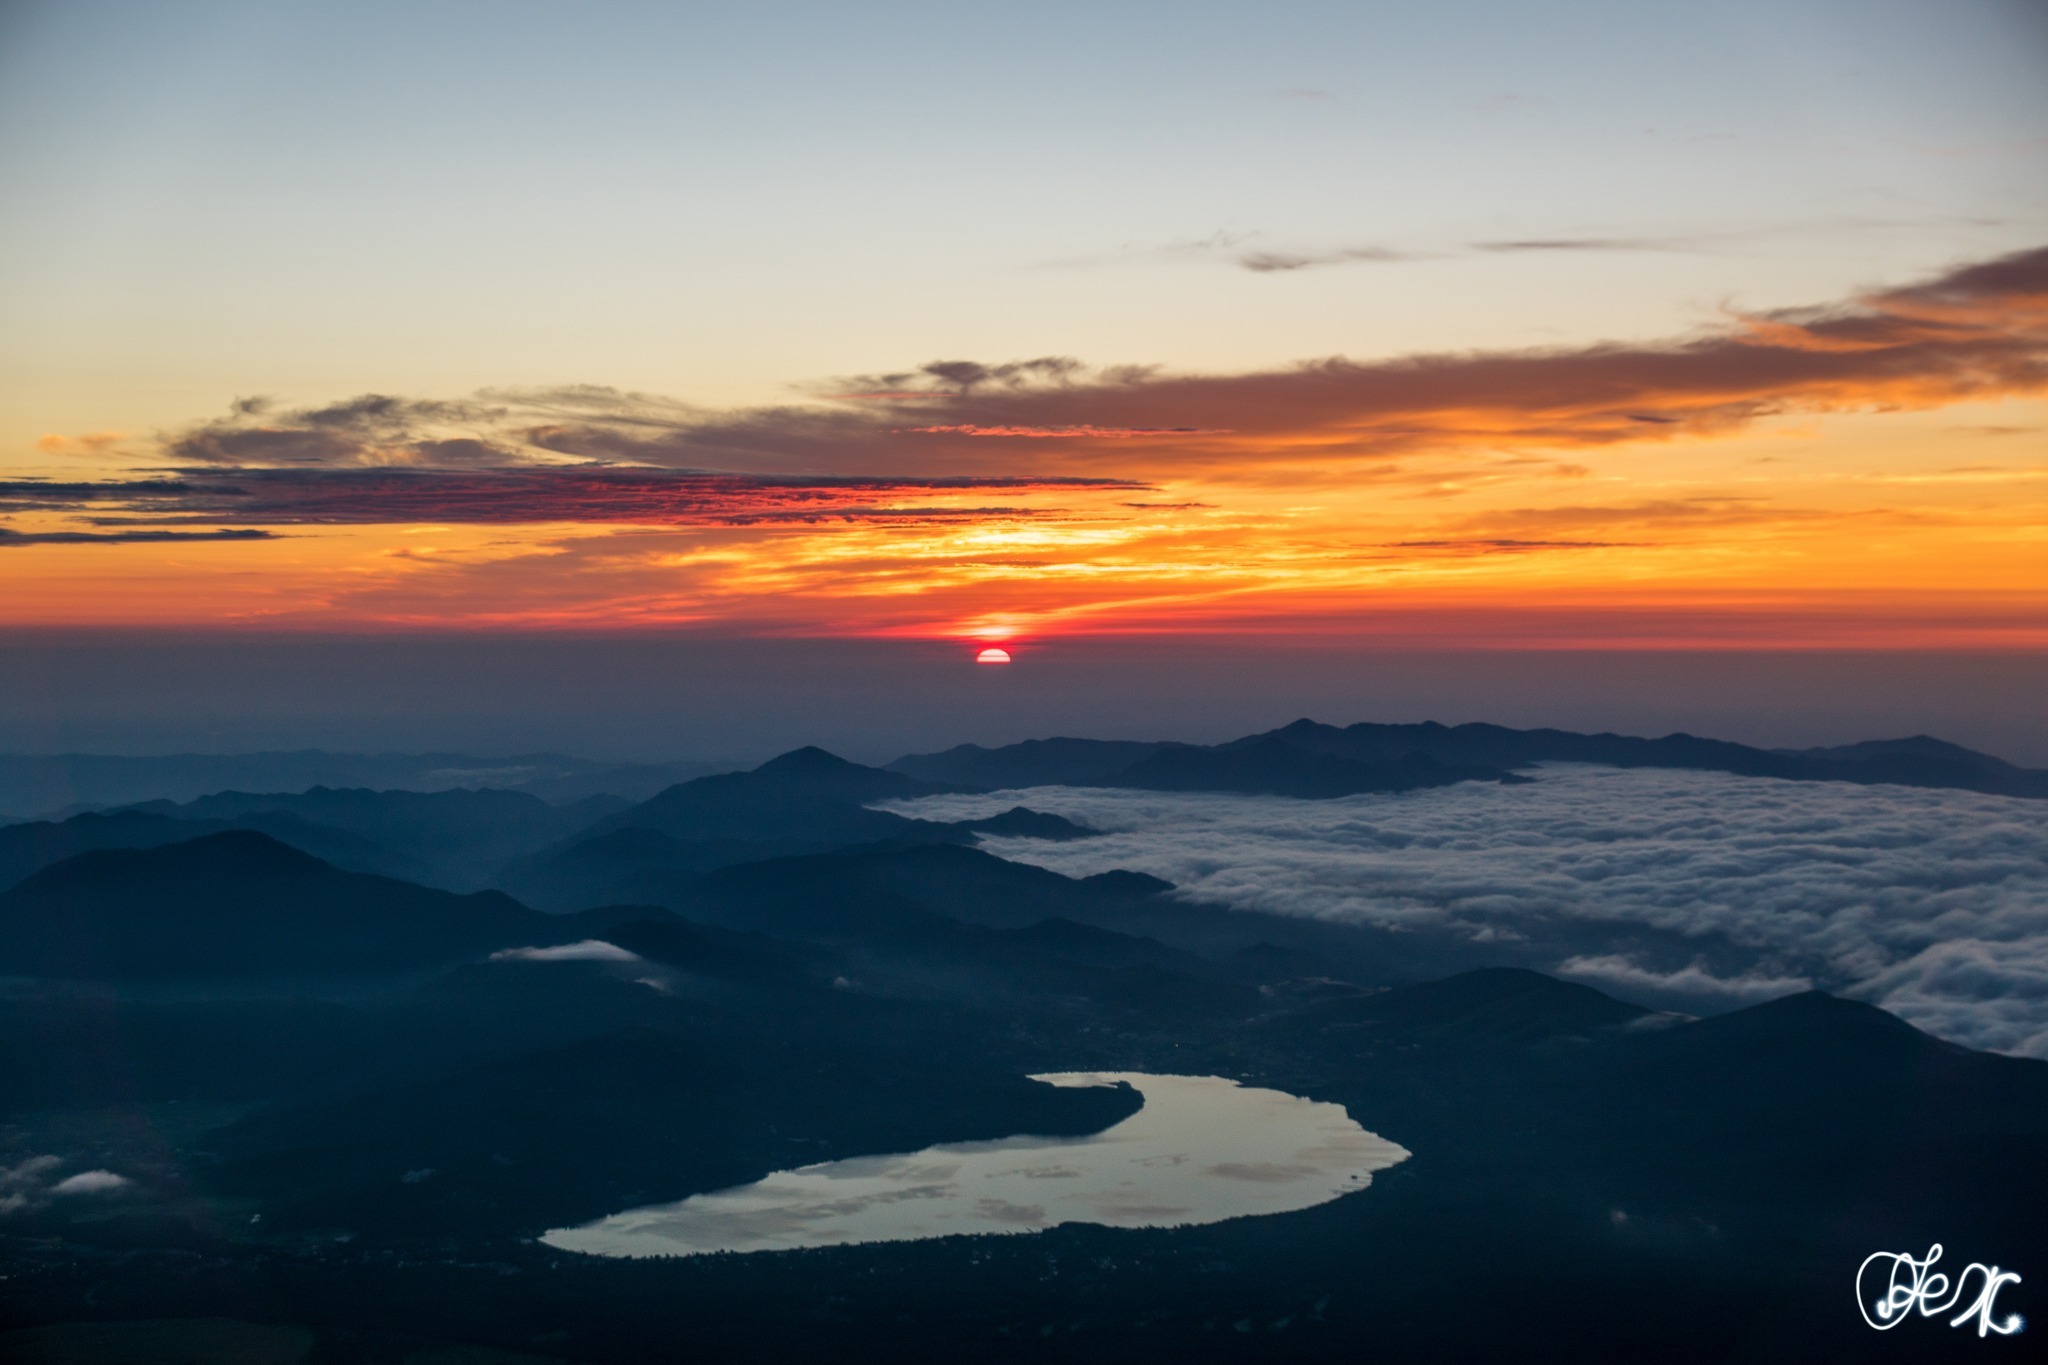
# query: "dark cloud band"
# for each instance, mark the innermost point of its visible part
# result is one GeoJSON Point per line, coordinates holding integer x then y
{"type": "Point", "coordinates": [533, 494]}
{"type": "Point", "coordinates": [140, 537]}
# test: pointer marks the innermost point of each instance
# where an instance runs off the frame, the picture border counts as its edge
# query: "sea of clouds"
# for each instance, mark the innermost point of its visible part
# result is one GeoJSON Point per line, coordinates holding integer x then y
{"type": "Point", "coordinates": [1683, 890]}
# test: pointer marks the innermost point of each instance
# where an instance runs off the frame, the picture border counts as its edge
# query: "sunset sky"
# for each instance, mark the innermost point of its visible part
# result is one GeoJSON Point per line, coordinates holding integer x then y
{"type": "Point", "coordinates": [1448, 326]}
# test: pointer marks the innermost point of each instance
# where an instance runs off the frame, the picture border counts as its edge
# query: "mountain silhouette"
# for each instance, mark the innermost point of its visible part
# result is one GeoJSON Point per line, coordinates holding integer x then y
{"type": "Point", "coordinates": [26, 847]}
{"type": "Point", "coordinates": [240, 904]}
{"type": "Point", "coordinates": [1273, 766]}
{"type": "Point", "coordinates": [1399, 758]}
{"type": "Point", "coordinates": [455, 839]}
{"type": "Point", "coordinates": [805, 801]}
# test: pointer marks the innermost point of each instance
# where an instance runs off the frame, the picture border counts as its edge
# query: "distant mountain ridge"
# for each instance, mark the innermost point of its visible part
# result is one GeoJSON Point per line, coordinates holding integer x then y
{"type": "Point", "coordinates": [1307, 758]}
{"type": "Point", "coordinates": [57, 785]}
{"type": "Point", "coordinates": [456, 838]}
{"type": "Point", "coordinates": [41, 784]}
{"type": "Point", "coordinates": [597, 850]}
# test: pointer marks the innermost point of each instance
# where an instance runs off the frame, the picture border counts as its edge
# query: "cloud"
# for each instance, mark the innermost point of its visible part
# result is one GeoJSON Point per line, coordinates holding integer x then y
{"type": "Point", "coordinates": [358, 495]}
{"type": "Point", "coordinates": [85, 443]}
{"type": "Point", "coordinates": [373, 428]}
{"type": "Point", "coordinates": [27, 1187]}
{"type": "Point", "coordinates": [1272, 262]}
{"type": "Point", "coordinates": [1622, 972]}
{"type": "Point", "coordinates": [1208, 247]}
{"type": "Point", "coordinates": [1973, 987]}
{"type": "Point", "coordinates": [1677, 888]}
{"type": "Point", "coordinates": [1659, 513]}
{"type": "Point", "coordinates": [1977, 331]}
{"type": "Point", "coordinates": [1980, 331]}
{"type": "Point", "coordinates": [587, 950]}
{"type": "Point", "coordinates": [24, 1186]}
{"type": "Point", "coordinates": [1084, 432]}
{"type": "Point", "coordinates": [858, 448]}
{"type": "Point", "coordinates": [1584, 244]}
{"type": "Point", "coordinates": [1466, 548]}
{"type": "Point", "coordinates": [8, 537]}
{"type": "Point", "coordinates": [42, 495]}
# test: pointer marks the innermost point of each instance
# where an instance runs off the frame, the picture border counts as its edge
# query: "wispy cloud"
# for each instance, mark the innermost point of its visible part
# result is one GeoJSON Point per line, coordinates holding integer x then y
{"type": "Point", "coordinates": [1275, 262]}
{"type": "Point", "coordinates": [1619, 971]}
{"type": "Point", "coordinates": [1587, 244]}
{"type": "Point", "coordinates": [85, 443]}
{"type": "Point", "coordinates": [528, 495]}
{"type": "Point", "coordinates": [140, 537]}
{"type": "Point", "coordinates": [585, 950]}
{"type": "Point", "coordinates": [1501, 546]}
{"type": "Point", "coordinates": [371, 429]}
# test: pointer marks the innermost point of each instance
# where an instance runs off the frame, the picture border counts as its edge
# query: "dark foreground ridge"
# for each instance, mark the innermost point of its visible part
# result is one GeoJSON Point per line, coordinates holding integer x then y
{"type": "Point", "coordinates": [251, 1102]}
{"type": "Point", "coordinates": [238, 906]}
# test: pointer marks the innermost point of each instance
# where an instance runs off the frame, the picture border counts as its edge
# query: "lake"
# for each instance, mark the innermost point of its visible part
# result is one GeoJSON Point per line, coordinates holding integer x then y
{"type": "Point", "coordinates": [1202, 1149]}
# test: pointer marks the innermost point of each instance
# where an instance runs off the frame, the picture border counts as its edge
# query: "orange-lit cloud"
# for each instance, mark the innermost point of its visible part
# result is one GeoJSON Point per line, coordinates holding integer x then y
{"type": "Point", "coordinates": [1979, 331]}
{"type": "Point", "coordinates": [1767, 481]}
{"type": "Point", "coordinates": [85, 443]}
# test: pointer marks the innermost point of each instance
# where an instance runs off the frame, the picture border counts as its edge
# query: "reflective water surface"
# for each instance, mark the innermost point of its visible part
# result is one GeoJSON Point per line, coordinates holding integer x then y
{"type": "Point", "coordinates": [1201, 1150]}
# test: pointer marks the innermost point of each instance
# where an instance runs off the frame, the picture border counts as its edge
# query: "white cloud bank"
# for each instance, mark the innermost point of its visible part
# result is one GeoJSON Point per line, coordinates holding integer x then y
{"type": "Point", "coordinates": [1622, 972]}
{"type": "Point", "coordinates": [27, 1187]}
{"type": "Point", "coordinates": [91, 1182]}
{"type": "Point", "coordinates": [1726, 889]}
{"type": "Point", "coordinates": [585, 950]}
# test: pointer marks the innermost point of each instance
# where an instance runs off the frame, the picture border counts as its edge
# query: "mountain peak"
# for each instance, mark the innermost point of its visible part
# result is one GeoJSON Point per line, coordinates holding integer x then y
{"type": "Point", "coordinates": [805, 762]}
{"type": "Point", "coordinates": [243, 850]}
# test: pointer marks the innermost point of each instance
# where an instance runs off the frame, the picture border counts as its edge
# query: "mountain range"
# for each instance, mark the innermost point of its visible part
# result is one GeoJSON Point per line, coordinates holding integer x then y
{"type": "Point", "coordinates": [44, 784]}
{"type": "Point", "coordinates": [260, 1082]}
{"type": "Point", "coordinates": [1368, 757]}
{"type": "Point", "coordinates": [602, 848]}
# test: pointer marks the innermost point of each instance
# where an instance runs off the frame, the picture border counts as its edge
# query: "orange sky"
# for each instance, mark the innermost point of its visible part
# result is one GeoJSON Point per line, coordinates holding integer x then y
{"type": "Point", "coordinates": [1868, 473]}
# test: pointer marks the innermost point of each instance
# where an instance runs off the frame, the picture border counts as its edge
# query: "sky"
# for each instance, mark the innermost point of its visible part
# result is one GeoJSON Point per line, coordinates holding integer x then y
{"type": "Point", "coordinates": [1195, 335]}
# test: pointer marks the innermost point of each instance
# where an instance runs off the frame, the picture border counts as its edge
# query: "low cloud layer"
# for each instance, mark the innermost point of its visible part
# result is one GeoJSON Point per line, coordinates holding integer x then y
{"type": "Point", "coordinates": [1689, 890]}
{"type": "Point", "coordinates": [584, 950]}
{"type": "Point", "coordinates": [33, 1184]}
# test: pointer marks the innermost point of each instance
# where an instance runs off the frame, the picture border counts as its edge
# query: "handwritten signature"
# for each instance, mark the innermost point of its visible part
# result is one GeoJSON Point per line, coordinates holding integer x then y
{"type": "Point", "coordinates": [1911, 1284]}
